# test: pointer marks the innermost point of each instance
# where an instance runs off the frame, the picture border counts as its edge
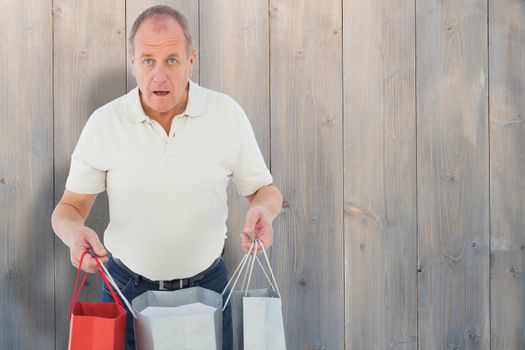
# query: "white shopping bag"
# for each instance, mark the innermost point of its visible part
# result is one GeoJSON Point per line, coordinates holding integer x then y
{"type": "Point", "coordinates": [186, 319]}
{"type": "Point", "coordinates": [257, 313]}
{"type": "Point", "coordinates": [181, 319]}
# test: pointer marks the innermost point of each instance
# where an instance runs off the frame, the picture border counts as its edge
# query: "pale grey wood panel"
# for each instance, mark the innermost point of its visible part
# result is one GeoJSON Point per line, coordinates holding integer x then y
{"type": "Point", "coordinates": [190, 9]}
{"type": "Point", "coordinates": [234, 60]}
{"type": "Point", "coordinates": [26, 176]}
{"type": "Point", "coordinates": [89, 71]}
{"type": "Point", "coordinates": [307, 164]}
{"type": "Point", "coordinates": [507, 171]}
{"type": "Point", "coordinates": [452, 167]}
{"type": "Point", "coordinates": [380, 175]}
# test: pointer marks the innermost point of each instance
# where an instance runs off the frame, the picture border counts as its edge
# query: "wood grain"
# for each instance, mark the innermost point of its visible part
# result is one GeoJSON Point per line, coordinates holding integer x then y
{"type": "Point", "coordinates": [307, 164]}
{"type": "Point", "coordinates": [26, 176]}
{"type": "Point", "coordinates": [507, 171]}
{"type": "Point", "coordinates": [380, 175]}
{"type": "Point", "coordinates": [452, 168]}
{"type": "Point", "coordinates": [89, 71]}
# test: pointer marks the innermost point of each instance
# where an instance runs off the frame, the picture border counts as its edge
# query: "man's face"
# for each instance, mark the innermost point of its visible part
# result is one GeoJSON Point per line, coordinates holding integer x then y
{"type": "Point", "coordinates": [161, 65]}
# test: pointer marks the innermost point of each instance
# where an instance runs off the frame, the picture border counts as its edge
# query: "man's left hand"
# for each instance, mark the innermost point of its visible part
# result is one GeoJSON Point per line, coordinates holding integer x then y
{"type": "Point", "coordinates": [258, 226]}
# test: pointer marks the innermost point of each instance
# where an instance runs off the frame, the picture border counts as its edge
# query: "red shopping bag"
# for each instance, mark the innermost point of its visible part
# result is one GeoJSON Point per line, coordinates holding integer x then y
{"type": "Point", "coordinates": [96, 325]}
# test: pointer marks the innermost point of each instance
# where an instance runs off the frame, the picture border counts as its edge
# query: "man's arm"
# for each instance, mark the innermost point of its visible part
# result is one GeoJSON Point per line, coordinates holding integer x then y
{"type": "Point", "coordinates": [68, 223]}
{"type": "Point", "coordinates": [269, 197]}
{"type": "Point", "coordinates": [265, 205]}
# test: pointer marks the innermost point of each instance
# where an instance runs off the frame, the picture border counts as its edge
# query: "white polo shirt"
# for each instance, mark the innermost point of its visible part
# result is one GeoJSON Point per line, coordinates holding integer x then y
{"type": "Point", "coordinates": [167, 194]}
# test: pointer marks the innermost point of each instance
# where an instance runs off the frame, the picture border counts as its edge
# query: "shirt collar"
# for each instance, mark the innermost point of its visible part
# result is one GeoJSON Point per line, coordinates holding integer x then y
{"type": "Point", "coordinates": [194, 107]}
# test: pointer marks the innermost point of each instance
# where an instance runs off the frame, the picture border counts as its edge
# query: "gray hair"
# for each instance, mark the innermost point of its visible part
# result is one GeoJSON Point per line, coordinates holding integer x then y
{"type": "Point", "coordinates": [160, 11]}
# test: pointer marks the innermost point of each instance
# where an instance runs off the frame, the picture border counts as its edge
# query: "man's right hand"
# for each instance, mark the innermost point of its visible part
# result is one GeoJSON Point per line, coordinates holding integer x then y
{"type": "Point", "coordinates": [84, 238]}
{"type": "Point", "coordinates": [68, 221]}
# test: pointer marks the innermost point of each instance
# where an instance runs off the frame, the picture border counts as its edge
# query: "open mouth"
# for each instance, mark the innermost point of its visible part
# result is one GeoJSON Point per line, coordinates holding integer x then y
{"type": "Point", "coordinates": [160, 93]}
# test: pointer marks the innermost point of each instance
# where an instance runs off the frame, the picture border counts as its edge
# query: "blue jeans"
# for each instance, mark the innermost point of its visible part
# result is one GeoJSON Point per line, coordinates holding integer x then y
{"type": "Point", "coordinates": [132, 285]}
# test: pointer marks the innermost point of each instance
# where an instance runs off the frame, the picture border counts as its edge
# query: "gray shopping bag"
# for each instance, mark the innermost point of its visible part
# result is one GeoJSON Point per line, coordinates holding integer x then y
{"type": "Point", "coordinates": [179, 319]}
{"type": "Point", "coordinates": [256, 313]}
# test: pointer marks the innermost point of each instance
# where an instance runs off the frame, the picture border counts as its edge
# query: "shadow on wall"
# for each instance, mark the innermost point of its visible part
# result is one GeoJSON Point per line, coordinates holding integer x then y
{"type": "Point", "coordinates": [42, 277]}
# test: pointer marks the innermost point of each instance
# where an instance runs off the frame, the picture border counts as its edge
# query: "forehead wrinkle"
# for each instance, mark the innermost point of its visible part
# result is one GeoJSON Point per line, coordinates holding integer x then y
{"type": "Point", "coordinates": [160, 43]}
{"type": "Point", "coordinates": [170, 45]}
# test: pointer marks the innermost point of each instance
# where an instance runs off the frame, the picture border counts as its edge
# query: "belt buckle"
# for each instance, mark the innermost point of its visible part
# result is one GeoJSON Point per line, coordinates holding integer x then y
{"type": "Point", "coordinates": [163, 287]}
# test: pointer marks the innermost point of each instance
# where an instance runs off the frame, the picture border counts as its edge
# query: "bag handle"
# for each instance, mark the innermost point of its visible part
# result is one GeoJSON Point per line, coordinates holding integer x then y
{"type": "Point", "coordinates": [246, 261]}
{"type": "Point", "coordinates": [271, 271]}
{"type": "Point", "coordinates": [251, 261]}
{"type": "Point", "coordinates": [265, 274]}
{"type": "Point", "coordinates": [114, 284]}
{"type": "Point", "coordinates": [256, 258]}
{"type": "Point", "coordinates": [269, 266]}
{"type": "Point", "coordinates": [236, 274]}
{"type": "Point", "coordinates": [78, 289]}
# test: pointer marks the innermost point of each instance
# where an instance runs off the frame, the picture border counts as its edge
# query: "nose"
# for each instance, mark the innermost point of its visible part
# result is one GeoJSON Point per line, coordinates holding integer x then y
{"type": "Point", "coordinates": [159, 75]}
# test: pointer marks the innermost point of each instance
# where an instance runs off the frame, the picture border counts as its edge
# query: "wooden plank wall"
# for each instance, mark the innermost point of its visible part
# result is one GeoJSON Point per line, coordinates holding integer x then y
{"type": "Point", "coordinates": [507, 172]}
{"type": "Point", "coordinates": [380, 175]}
{"type": "Point", "coordinates": [26, 176]}
{"type": "Point", "coordinates": [453, 174]}
{"type": "Point", "coordinates": [395, 130]}
{"type": "Point", "coordinates": [89, 68]}
{"type": "Point", "coordinates": [307, 165]}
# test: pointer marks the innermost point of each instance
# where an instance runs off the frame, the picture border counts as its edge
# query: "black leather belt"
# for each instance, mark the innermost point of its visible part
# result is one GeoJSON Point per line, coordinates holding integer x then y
{"type": "Point", "coordinates": [172, 284]}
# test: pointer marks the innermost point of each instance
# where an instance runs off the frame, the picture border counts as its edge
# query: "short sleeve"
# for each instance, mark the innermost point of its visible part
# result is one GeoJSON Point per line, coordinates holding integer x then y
{"type": "Point", "coordinates": [250, 171]}
{"type": "Point", "coordinates": [86, 174]}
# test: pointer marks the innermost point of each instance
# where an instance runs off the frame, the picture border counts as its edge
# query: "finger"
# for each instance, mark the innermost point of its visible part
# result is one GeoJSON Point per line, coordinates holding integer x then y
{"type": "Point", "coordinates": [245, 238]}
{"type": "Point", "coordinates": [246, 242]}
{"type": "Point", "coordinates": [94, 264]}
{"type": "Point", "coordinates": [252, 218]}
{"type": "Point", "coordinates": [264, 240]}
{"type": "Point", "coordinates": [96, 245]}
{"type": "Point", "coordinates": [255, 249]}
{"type": "Point", "coordinates": [76, 256]}
{"type": "Point", "coordinates": [88, 264]}
{"type": "Point", "coordinates": [246, 247]}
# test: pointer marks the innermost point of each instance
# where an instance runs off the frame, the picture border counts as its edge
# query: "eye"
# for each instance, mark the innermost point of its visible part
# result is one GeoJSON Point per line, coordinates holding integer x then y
{"type": "Point", "coordinates": [172, 60]}
{"type": "Point", "coordinates": [148, 61]}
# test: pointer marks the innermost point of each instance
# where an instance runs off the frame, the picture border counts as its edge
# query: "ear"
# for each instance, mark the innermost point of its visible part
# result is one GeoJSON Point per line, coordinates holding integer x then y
{"type": "Point", "coordinates": [192, 59]}
{"type": "Point", "coordinates": [132, 63]}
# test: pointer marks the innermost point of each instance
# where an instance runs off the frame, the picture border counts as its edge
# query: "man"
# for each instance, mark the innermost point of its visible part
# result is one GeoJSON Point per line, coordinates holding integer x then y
{"type": "Point", "coordinates": [165, 152]}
